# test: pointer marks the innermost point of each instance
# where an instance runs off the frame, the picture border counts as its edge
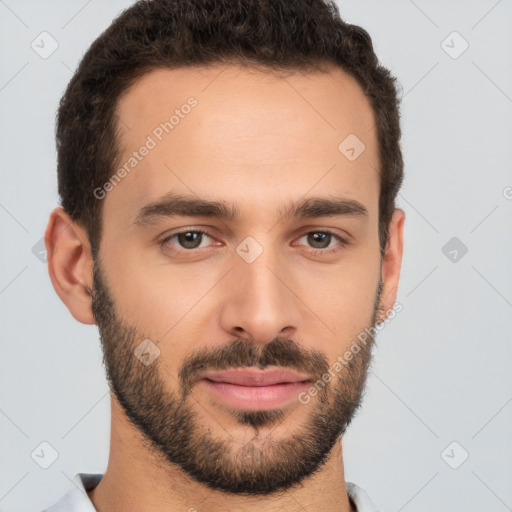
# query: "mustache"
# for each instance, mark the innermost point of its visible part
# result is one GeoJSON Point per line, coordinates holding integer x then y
{"type": "Point", "coordinates": [280, 352]}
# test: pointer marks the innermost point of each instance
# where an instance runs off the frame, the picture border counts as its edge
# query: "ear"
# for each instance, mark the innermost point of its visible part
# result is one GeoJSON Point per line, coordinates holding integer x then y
{"type": "Point", "coordinates": [392, 260]}
{"type": "Point", "coordinates": [70, 264]}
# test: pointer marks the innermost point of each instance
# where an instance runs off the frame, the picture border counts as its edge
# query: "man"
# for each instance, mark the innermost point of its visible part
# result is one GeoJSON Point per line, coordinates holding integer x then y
{"type": "Point", "coordinates": [227, 172]}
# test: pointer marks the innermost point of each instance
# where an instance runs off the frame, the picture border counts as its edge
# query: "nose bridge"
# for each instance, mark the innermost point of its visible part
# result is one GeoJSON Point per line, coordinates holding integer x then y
{"type": "Point", "coordinates": [259, 301]}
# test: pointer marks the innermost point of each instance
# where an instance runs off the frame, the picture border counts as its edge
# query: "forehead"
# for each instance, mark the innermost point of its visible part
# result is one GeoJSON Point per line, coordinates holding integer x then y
{"type": "Point", "coordinates": [243, 135]}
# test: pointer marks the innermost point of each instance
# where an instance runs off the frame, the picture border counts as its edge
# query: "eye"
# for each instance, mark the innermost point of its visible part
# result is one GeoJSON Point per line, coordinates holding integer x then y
{"type": "Point", "coordinates": [321, 241]}
{"type": "Point", "coordinates": [189, 239]}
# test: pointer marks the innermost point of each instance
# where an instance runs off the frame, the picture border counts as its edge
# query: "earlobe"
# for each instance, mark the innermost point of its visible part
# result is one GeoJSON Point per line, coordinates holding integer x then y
{"type": "Point", "coordinates": [392, 261]}
{"type": "Point", "coordinates": [70, 264]}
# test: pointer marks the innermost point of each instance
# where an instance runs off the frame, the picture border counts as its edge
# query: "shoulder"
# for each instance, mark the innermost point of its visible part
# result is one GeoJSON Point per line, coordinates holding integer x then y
{"type": "Point", "coordinates": [360, 498]}
{"type": "Point", "coordinates": [76, 499]}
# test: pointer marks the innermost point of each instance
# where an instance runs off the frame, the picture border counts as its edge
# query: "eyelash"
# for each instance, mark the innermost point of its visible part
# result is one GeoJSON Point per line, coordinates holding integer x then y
{"type": "Point", "coordinates": [342, 242]}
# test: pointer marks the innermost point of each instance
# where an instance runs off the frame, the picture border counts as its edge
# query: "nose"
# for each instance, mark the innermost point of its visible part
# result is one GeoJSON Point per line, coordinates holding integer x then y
{"type": "Point", "coordinates": [259, 300]}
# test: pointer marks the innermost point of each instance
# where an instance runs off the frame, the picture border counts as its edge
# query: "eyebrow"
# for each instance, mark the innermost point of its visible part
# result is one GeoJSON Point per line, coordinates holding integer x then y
{"type": "Point", "coordinates": [174, 205]}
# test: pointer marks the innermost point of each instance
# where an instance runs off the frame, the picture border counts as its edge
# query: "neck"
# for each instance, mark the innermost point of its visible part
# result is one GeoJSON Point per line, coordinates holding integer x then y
{"type": "Point", "coordinates": [135, 480]}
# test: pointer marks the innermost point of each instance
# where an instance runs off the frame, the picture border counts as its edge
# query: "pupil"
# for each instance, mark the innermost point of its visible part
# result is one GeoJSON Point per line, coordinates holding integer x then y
{"type": "Point", "coordinates": [321, 238]}
{"type": "Point", "coordinates": [189, 239]}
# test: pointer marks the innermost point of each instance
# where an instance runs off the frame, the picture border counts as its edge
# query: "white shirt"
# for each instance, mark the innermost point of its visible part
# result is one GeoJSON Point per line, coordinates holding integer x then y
{"type": "Point", "coordinates": [76, 500]}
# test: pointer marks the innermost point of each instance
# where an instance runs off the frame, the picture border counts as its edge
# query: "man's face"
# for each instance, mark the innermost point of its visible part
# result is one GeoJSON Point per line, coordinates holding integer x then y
{"type": "Point", "coordinates": [261, 290]}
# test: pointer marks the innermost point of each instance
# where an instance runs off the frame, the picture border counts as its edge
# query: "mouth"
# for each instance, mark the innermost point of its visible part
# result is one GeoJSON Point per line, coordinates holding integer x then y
{"type": "Point", "coordinates": [255, 389]}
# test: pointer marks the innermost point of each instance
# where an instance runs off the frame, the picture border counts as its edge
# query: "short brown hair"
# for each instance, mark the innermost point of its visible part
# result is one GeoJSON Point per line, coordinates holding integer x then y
{"type": "Point", "coordinates": [276, 34]}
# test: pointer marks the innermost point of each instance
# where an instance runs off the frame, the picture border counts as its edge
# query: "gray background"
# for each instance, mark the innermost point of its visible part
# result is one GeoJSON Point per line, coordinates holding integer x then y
{"type": "Point", "coordinates": [442, 367]}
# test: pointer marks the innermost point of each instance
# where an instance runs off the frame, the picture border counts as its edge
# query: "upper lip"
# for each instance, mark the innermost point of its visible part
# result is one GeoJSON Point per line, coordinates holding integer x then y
{"type": "Point", "coordinates": [255, 377]}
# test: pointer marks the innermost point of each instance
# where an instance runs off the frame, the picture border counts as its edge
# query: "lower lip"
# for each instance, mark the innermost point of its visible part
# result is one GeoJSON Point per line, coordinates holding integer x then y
{"type": "Point", "coordinates": [256, 397]}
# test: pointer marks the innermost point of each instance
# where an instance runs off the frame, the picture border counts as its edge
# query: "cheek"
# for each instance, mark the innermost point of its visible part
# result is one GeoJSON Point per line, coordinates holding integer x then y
{"type": "Point", "coordinates": [173, 306]}
{"type": "Point", "coordinates": [340, 302]}
{"type": "Point", "coordinates": [163, 302]}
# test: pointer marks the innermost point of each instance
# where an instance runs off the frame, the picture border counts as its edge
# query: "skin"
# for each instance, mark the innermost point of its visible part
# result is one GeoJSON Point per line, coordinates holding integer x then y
{"type": "Point", "coordinates": [260, 142]}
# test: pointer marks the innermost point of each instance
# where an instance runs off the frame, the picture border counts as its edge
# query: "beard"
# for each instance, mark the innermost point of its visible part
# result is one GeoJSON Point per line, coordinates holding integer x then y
{"type": "Point", "coordinates": [175, 434]}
